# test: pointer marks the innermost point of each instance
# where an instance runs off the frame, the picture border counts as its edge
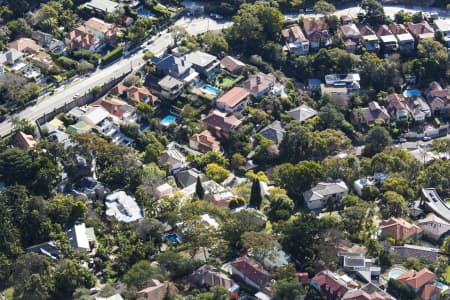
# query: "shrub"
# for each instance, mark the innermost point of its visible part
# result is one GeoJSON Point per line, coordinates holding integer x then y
{"type": "Point", "coordinates": [112, 56]}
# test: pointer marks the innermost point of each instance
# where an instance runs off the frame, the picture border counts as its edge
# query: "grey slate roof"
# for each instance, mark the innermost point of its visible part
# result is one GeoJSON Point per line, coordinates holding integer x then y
{"type": "Point", "coordinates": [200, 58]}
{"type": "Point", "coordinates": [302, 113]}
{"type": "Point", "coordinates": [273, 132]}
{"type": "Point", "coordinates": [187, 177]}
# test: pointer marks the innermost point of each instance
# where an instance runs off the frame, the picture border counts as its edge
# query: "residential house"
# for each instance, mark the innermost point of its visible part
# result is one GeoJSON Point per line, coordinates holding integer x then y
{"type": "Point", "coordinates": [232, 64]}
{"type": "Point", "coordinates": [259, 84]}
{"type": "Point", "coordinates": [374, 113]}
{"type": "Point", "coordinates": [278, 259]}
{"type": "Point", "coordinates": [274, 132]}
{"type": "Point", "coordinates": [170, 87]}
{"type": "Point", "coordinates": [376, 180]}
{"type": "Point", "coordinates": [401, 253]}
{"type": "Point", "coordinates": [362, 266]}
{"type": "Point", "coordinates": [140, 94]}
{"type": "Point", "coordinates": [155, 290]}
{"type": "Point", "coordinates": [235, 100]}
{"type": "Point", "coordinates": [318, 196]}
{"type": "Point", "coordinates": [399, 229]}
{"type": "Point", "coordinates": [102, 6]}
{"type": "Point", "coordinates": [188, 177]}
{"type": "Point", "coordinates": [368, 292]}
{"type": "Point", "coordinates": [80, 38]}
{"type": "Point", "coordinates": [420, 110]}
{"type": "Point", "coordinates": [443, 25]}
{"type": "Point", "coordinates": [350, 34]}
{"type": "Point", "coordinates": [89, 188]}
{"type": "Point", "coordinates": [314, 86]}
{"type": "Point", "coordinates": [302, 113]}
{"type": "Point", "coordinates": [369, 39]}
{"type": "Point", "coordinates": [422, 283]}
{"type": "Point", "coordinates": [438, 98]}
{"type": "Point", "coordinates": [25, 45]}
{"type": "Point", "coordinates": [388, 40]}
{"type": "Point", "coordinates": [434, 228]}
{"type": "Point", "coordinates": [12, 57]}
{"type": "Point", "coordinates": [397, 107]}
{"type": "Point", "coordinates": [404, 38]}
{"type": "Point", "coordinates": [204, 63]}
{"type": "Point", "coordinates": [346, 19]}
{"type": "Point", "coordinates": [172, 159]}
{"type": "Point", "coordinates": [81, 238]}
{"type": "Point", "coordinates": [104, 31]}
{"type": "Point", "coordinates": [208, 276]}
{"type": "Point", "coordinates": [177, 67]}
{"type": "Point", "coordinates": [123, 207]}
{"type": "Point", "coordinates": [316, 30]}
{"type": "Point", "coordinates": [350, 81]}
{"type": "Point", "coordinates": [99, 118]}
{"type": "Point", "coordinates": [220, 123]}
{"type": "Point", "coordinates": [48, 249]}
{"type": "Point", "coordinates": [221, 199]}
{"type": "Point", "coordinates": [30, 71]}
{"type": "Point", "coordinates": [250, 272]}
{"type": "Point", "coordinates": [119, 110]}
{"type": "Point", "coordinates": [331, 285]}
{"type": "Point", "coordinates": [163, 190]}
{"type": "Point", "coordinates": [296, 42]}
{"type": "Point", "coordinates": [79, 127]}
{"type": "Point", "coordinates": [23, 141]}
{"type": "Point", "coordinates": [421, 30]}
{"type": "Point", "coordinates": [48, 41]}
{"type": "Point", "coordinates": [42, 38]}
{"type": "Point", "coordinates": [204, 141]}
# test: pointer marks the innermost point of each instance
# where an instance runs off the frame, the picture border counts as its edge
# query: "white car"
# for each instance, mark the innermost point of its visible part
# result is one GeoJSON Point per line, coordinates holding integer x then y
{"type": "Point", "coordinates": [76, 96]}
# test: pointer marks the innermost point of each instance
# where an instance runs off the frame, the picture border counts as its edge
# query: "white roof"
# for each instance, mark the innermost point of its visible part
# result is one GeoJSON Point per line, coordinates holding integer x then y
{"type": "Point", "coordinates": [103, 5]}
{"type": "Point", "coordinates": [123, 207]}
{"type": "Point", "coordinates": [78, 237]}
{"type": "Point", "coordinates": [200, 58]}
{"type": "Point", "coordinates": [302, 113]}
{"type": "Point", "coordinates": [405, 37]}
{"type": "Point", "coordinates": [95, 115]}
{"type": "Point", "coordinates": [442, 25]}
{"type": "Point", "coordinates": [323, 189]}
{"type": "Point", "coordinates": [211, 222]}
{"type": "Point", "coordinates": [164, 187]}
{"type": "Point", "coordinates": [388, 39]}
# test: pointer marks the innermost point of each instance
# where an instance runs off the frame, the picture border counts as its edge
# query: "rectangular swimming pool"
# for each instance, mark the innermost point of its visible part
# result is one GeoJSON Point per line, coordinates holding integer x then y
{"type": "Point", "coordinates": [144, 12]}
{"type": "Point", "coordinates": [210, 89]}
{"type": "Point", "coordinates": [411, 93]}
{"type": "Point", "coordinates": [169, 119]}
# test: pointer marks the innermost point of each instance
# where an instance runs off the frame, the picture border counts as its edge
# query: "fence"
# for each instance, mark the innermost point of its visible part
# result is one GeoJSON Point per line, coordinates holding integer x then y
{"type": "Point", "coordinates": [85, 99]}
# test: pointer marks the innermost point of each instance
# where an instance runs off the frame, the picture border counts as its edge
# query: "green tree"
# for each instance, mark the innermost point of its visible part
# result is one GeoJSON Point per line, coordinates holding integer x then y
{"type": "Point", "coordinates": [376, 140]}
{"type": "Point", "coordinates": [140, 273]}
{"type": "Point", "coordinates": [296, 179]}
{"type": "Point", "coordinates": [215, 43]}
{"type": "Point", "coordinates": [16, 166]}
{"type": "Point", "coordinates": [289, 290]}
{"type": "Point", "coordinates": [255, 194]}
{"type": "Point", "coordinates": [262, 244]}
{"type": "Point", "coordinates": [323, 7]}
{"type": "Point", "coordinates": [374, 12]}
{"type": "Point", "coordinates": [446, 246]}
{"type": "Point", "coordinates": [216, 172]}
{"type": "Point", "coordinates": [399, 185]}
{"type": "Point", "coordinates": [295, 145]}
{"type": "Point", "coordinates": [238, 223]}
{"type": "Point", "coordinates": [177, 265]}
{"type": "Point", "coordinates": [281, 207]}
{"type": "Point", "coordinates": [69, 276]}
{"type": "Point", "coordinates": [19, 28]}
{"type": "Point", "coordinates": [199, 190]}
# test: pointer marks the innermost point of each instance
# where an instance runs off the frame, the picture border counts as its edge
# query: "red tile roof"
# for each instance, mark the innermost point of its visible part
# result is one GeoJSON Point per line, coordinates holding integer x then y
{"type": "Point", "coordinates": [429, 290]}
{"type": "Point", "coordinates": [252, 271]}
{"type": "Point", "coordinates": [219, 121]}
{"type": "Point", "coordinates": [293, 33]}
{"type": "Point", "coordinates": [415, 279]}
{"type": "Point", "coordinates": [399, 229]}
{"type": "Point", "coordinates": [113, 106]}
{"type": "Point", "coordinates": [233, 97]}
{"type": "Point", "coordinates": [314, 24]}
{"type": "Point", "coordinates": [140, 94]}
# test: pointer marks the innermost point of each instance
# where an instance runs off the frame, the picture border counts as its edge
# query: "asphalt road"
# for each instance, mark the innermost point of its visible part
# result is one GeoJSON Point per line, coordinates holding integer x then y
{"type": "Point", "coordinates": [159, 45]}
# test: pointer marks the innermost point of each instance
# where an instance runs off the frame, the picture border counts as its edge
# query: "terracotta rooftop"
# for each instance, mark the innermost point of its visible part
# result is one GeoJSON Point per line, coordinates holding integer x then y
{"type": "Point", "coordinates": [429, 290]}
{"type": "Point", "coordinates": [252, 270]}
{"type": "Point", "coordinates": [259, 82]}
{"type": "Point", "coordinates": [422, 28]}
{"type": "Point", "coordinates": [416, 279]}
{"type": "Point", "coordinates": [314, 24]}
{"type": "Point", "coordinates": [399, 229]}
{"type": "Point", "coordinates": [293, 33]}
{"type": "Point", "coordinates": [221, 121]}
{"type": "Point", "coordinates": [233, 97]}
{"type": "Point", "coordinates": [24, 44]}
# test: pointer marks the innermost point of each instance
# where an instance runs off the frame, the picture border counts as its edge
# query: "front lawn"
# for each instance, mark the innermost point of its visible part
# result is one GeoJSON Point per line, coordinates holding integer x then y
{"type": "Point", "coordinates": [227, 82]}
{"type": "Point", "coordinates": [8, 293]}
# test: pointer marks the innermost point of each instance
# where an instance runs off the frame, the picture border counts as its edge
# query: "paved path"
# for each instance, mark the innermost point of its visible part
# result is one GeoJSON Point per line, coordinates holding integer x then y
{"type": "Point", "coordinates": [159, 45]}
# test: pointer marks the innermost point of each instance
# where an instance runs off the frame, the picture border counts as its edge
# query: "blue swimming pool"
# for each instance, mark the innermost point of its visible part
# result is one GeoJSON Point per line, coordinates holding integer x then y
{"type": "Point", "coordinates": [169, 119]}
{"type": "Point", "coordinates": [395, 272]}
{"type": "Point", "coordinates": [173, 238]}
{"type": "Point", "coordinates": [411, 93]}
{"type": "Point", "coordinates": [210, 89]}
{"type": "Point", "coordinates": [144, 12]}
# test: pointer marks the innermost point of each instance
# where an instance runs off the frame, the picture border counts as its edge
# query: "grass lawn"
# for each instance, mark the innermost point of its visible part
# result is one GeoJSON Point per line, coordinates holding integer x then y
{"type": "Point", "coordinates": [446, 275]}
{"type": "Point", "coordinates": [228, 81]}
{"type": "Point", "coordinates": [8, 293]}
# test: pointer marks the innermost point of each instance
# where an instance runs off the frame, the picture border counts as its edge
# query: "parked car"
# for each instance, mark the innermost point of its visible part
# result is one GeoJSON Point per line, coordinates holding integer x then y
{"type": "Point", "coordinates": [426, 138]}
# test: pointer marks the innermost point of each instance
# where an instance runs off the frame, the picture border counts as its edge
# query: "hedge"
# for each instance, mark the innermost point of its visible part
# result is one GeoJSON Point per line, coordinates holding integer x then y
{"type": "Point", "coordinates": [112, 56]}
